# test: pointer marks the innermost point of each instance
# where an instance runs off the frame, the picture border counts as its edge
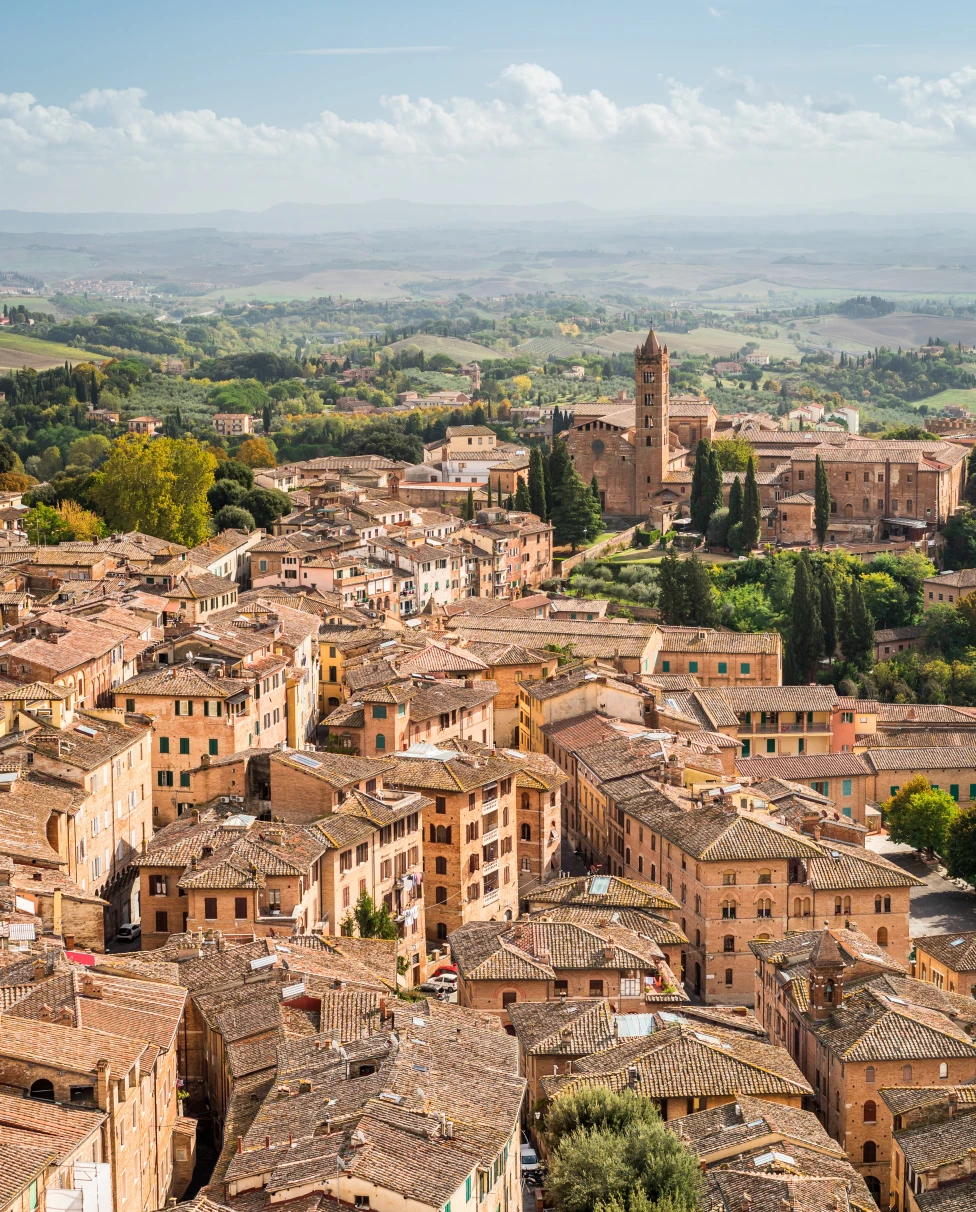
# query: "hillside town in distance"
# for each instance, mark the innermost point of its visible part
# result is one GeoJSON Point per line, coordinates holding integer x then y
{"type": "Point", "coordinates": [364, 858]}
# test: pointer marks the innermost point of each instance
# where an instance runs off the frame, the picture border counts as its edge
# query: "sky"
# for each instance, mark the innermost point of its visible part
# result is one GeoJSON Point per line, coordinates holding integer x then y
{"type": "Point", "coordinates": [231, 104]}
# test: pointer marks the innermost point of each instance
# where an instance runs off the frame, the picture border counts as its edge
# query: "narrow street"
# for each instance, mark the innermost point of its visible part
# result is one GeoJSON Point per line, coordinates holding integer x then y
{"type": "Point", "coordinates": [941, 904]}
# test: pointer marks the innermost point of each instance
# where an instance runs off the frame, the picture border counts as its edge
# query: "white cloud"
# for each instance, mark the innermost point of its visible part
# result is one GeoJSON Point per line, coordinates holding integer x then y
{"type": "Point", "coordinates": [114, 134]}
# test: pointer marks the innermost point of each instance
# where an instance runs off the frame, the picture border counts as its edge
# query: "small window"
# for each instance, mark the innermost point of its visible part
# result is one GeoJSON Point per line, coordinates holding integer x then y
{"type": "Point", "coordinates": [210, 908]}
{"type": "Point", "coordinates": [379, 711]}
{"type": "Point", "coordinates": [665, 666]}
{"type": "Point", "coordinates": [213, 747]}
{"type": "Point", "coordinates": [692, 666]}
{"type": "Point", "coordinates": [723, 666]}
{"type": "Point", "coordinates": [870, 1115]}
{"type": "Point", "coordinates": [164, 744]}
{"type": "Point", "coordinates": [240, 907]}
{"type": "Point", "coordinates": [847, 786]}
{"type": "Point", "coordinates": [184, 744]}
{"type": "Point", "coordinates": [745, 667]}
{"type": "Point", "coordinates": [184, 778]}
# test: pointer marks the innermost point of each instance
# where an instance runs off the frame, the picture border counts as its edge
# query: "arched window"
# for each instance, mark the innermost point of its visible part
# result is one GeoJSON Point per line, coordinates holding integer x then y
{"type": "Point", "coordinates": [697, 938]}
{"type": "Point", "coordinates": [442, 931]}
{"type": "Point", "coordinates": [806, 906]}
{"type": "Point", "coordinates": [870, 1152]}
{"type": "Point", "coordinates": [380, 741]}
{"type": "Point", "coordinates": [654, 877]}
{"type": "Point", "coordinates": [906, 1073]}
{"type": "Point", "coordinates": [943, 1070]}
{"type": "Point", "coordinates": [728, 910]}
{"type": "Point", "coordinates": [440, 865]}
{"type": "Point", "coordinates": [728, 943]}
{"type": "Point", "coordinates": [627, 856]}
{"type": "Point", "coordinates": [764, 908]}
{"type": "Point", "coordinates": [640, 864]}
{"type": "Point", "coordinates": [669, 882]}
{"type": "Point", "coordinates": [869, 1075]}
{"type": "Point", "coordinates": [837, 906]}
{"type": "Point", "coordinates": [873, 1184]}
{"type": "Point", "coordinates": [887, 904]}
{"type": "Point", "coordinates": [728, 976]}
{"type": "Point", "coordinates": [828, 991]}
{"type": "Point", "coordinates": [505, 816]}
{"type": "Point", "coordinates": [440, 895]}
{"type": "Point", "coordinates": [525, 800]}
{"type": "Point", "coordinates": [43, 1089]}
{"type": "Point", "coordinates": [442, 834]}
{"type": "Point", "coordinates": [882, 936]}
{"type": "Point", "coordinates": [797, 907]}
{"type": "Point", "coordinates": [870, 1112]}
{"type": "Point", "coordinates": [526, 833]}
{"type": "Point", "coordinates": [847, 904]}
{"type": "Point", "coordinates": [877, 904]}
{"type": "Point", "coordinates": [508, 999]}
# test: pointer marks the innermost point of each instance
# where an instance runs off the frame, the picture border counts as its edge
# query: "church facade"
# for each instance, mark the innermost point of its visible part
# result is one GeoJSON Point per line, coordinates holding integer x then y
{"type": "Point", "coordinates": [642, 455]}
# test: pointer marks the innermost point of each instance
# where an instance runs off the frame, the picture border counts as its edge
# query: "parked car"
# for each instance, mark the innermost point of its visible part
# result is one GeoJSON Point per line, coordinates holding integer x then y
{"type": "Point", "coordinates": [446, 970]}
{"type": "Point", "coordinates": [128, 932]}
{"type": "Point", "coordinates": [530, 1159]}
{"type": "Point", "coordinates": [441, 985]}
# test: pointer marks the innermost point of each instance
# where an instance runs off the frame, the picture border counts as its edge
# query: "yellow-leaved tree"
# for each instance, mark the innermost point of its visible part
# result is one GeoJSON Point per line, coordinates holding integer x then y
{"type": "Point", "coordinates": [156, 485]}
{"type": "Point", "coordinates": [82, 523]}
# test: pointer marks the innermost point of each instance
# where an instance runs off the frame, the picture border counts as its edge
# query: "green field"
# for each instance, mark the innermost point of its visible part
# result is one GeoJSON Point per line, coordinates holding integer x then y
{"type": "Point", "coordinates": [19, 352]}
{"type": "Point", "coordinates": [460, 351]}
{"type": "Point", "coordinates": [962, 397]}
{"type": "Point", "coordinates": [714, 342]}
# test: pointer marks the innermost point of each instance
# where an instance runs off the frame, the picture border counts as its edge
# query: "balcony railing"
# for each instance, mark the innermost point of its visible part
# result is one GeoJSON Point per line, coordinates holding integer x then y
{"type": "Point", "coordinates": [488, 806]}
{"type": "Point", "coordinates": [491, 897]}
{"type": "Point", "coordinates": [490, 868]}
{"type": "Point", "coordinates": [760, 729]}
{"type": "Point", "coordinates": [488, 838]}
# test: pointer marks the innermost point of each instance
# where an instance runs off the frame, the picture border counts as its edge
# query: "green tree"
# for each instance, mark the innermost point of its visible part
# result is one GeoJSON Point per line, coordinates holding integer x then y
{"type": "Point", "coordinates": [959, 534]}
{"type": "Point", "coordinates": [225, 492]}
{"type": "Point", "coordinates": [718, 528]}
{"type": "Point", "coordinates": [467, 509]}
{"type": "Point", "coordinates": [923, 820]}
{"type": "Point", "coordinates": [821, 501]}
{"type": "Point", "coordinates": [960, 846]}
{"type": "Point", "coordinates": [733, 453]}
{"type": "Point", "coordinates": [948, 630]}
{"type": "Point", "coordinates": [157, 485]}
{"type": "Point", "coordinates": [597, 1107]}
{"type": "Point", "coordinates": [828, 612]}
{"type": "Point", "coordinates": [266, 418]}
{"type": "Point", "coordinates": [537, 484]}
{"type": "Point", "coordinates": [595, 490]}
{"type": "Point", "coordinates": [232, 517]}
{"type": "Point", "coordinates": [700, 594]}
{"type": "Point", "coordinates": [672, 602]}
{"type": "Point", "coordinates": [700, 491]}
{"type": "Point", "coordinates": [234, 469]}
{"type": "Point", "coordinates": [266, 505]}
{"type": "Point", "coordinates": [45, 526]}
{"type": "Point", "coordinates": [751, 509]}
{"type": "Point", "coordinates": [488, 486]}
{"type": "Point", "coordinates": [806, 630]}
{"type": "Point", "coordinates": [886, 599]}
{"type": "Point", "coordinates": [970, 491]}
{"type": "Point", "coordinates": [576, 516]}
{"type": "Point", "coordinates": [90, 451]}
{"type": "Point", "coordinates": [857, 636]}
{"type": "Point", "coordinates": [371, 920]}
{"type": "Point", "coordinates": [735, 502]}
{"type": "Point", "coordinates": [523, 503]}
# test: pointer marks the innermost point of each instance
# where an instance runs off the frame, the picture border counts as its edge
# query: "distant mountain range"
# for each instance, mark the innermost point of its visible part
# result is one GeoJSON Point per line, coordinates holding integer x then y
{"type": "Point", "coordinates": [392, 214]}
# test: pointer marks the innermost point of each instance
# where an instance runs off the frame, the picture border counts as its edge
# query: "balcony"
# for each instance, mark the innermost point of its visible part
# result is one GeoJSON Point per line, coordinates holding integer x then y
{"type": "Point", "coordinates": [489, 837]}
{"type": "Point", "coordinates": [488, 806]}
{"type": "Point", "coordinates": [773, 729]}
{"type": "Point", "coordinates": [490, 898]}
{"type": "Point", "coordinates": [490, 868]}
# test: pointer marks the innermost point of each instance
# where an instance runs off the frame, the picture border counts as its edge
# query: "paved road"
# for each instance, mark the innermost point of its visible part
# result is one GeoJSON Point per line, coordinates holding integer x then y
{"type": "Point", "coordinates": [940, 905]}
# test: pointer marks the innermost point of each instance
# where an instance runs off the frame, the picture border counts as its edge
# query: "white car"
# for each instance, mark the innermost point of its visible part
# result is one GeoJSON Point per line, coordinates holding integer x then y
{"type": "Point", "coordinates": [128, 932]}
{"type": "Point", "coordinates": [440, 985]}
{"type": "Point", "coordinates": [530, 1160]}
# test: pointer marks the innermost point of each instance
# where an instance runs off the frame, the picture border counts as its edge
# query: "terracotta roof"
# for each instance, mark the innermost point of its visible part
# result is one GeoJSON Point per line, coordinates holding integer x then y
{"type": "Point", "coordinates": [941, 757]}
{"type": "Point", "coordinates": [582, 732]}
{"type": "Point", "coordinates": [702, 640]}
{"type": "Point", "coordinates": [804, 766]}
{"type": "Point", "coordinates": [603, 892]}
{"type": "Point", "coordinates": [931, 1146]}
{"type": "Point", "coordinates": [648, 925]}
{"type": "Point", "coordinates": [336, 769]}
{"type": "Point", "coordinates": [683, 1061]}
{"type": "Point", "coordinates": [956, 951]}
{"type": "Point", "coordinates": [780, 698]}
{"type": "Point", "coordinates": [874, 1026]}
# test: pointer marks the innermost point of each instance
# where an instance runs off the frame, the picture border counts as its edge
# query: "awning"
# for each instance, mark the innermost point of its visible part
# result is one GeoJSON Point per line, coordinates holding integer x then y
{"type": "Point", "coordinates": [909, 523]}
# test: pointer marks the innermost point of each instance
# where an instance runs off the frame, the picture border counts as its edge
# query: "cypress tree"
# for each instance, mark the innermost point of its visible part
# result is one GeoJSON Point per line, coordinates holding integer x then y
{"type": "Point", "coordinates": [713, 483]}
{"type": "Point", "coordinates": [672, 600]}
{"type": "Point", "coordinates": [467, 511]}
{"type": "Point", "coordinates": [821, 502]}
{"type": "Point", "coordinates": [699, 595]}
{"type": "Point", "coordinates": [547, 484]}
{"type": "Point", "coordinates": [806, 630]}
{"type": "Point", "coordinates": [735, 502]}
{"type": "Point", "coordinates": [522, 502]}
{"type": "Point", "coordinates": [699, 482]}
{"type": "Point", "coordinates": [857, 642]}
{"type": "Point", "coordinates": [537, 484]}
{"type": "Point", "coordinates": [751, 509]}
{"type": "Point", "coordinates": [500, 493]}
{"type": "Point", "coordinates": [266, 418]}
{"type": "Point", "coordinates": [489, 492]}
{"type": "Point", "coordinates": [595, 490]}
{"type": "Point", "coordinates": [828, 612]}
{"type": "Point", "coordinates": [971, 478]}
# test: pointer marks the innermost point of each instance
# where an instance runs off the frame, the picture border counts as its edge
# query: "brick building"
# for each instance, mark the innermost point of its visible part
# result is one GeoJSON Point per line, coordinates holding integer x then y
{"type": "Point", "coordinates": [470, 845]}
{"type": "Point", "coordinates": [641, 458]}
{"type": "Point", "coordinates": [855, 1024]}
{"type": "Point", "coordinates": [947, 961]}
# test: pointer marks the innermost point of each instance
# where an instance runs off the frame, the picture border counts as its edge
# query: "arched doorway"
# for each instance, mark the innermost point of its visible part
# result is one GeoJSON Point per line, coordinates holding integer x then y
{"type": "Point", "coordinates": [874, 1186]}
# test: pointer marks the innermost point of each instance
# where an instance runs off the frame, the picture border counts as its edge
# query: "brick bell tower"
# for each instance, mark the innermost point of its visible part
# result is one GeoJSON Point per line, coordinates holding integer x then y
{"type": "Point", "coordinates": [653, 421]}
